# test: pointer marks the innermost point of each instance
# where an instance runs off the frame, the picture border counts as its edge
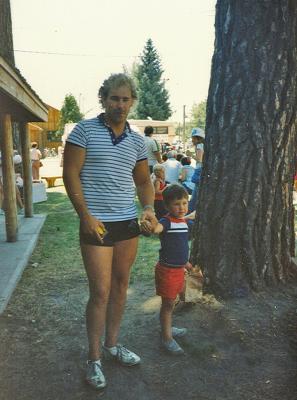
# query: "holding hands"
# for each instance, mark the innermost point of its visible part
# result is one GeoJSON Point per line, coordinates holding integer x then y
{"type": "Point", "coordinates": [148, 220]}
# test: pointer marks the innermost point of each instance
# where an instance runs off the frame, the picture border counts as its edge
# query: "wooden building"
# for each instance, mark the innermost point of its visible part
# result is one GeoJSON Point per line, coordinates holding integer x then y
{"type": "Point", "coordinates": [19, 104]}
{"type": "Point", "coordinates": [46, 134]}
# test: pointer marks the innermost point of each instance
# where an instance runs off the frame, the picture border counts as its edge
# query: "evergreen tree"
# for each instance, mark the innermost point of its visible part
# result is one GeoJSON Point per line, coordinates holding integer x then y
{"type": "Point", "coordinates": [153, 98]}
{"type": "Point", "coordinates": [70, 111]}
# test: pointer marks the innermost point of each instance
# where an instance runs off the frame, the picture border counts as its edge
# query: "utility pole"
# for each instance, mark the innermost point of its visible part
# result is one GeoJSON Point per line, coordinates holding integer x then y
{"type": "Point", "coordinates": [184, 128]}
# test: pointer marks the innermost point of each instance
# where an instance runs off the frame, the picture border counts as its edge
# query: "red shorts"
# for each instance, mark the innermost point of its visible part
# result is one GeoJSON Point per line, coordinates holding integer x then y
{"type": "Point", "coordinates": [169, 281]}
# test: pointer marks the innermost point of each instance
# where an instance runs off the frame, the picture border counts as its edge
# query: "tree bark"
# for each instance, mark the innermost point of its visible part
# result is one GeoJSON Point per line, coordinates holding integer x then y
{"type": "Point", "coordinates": [6, 42]}
{"type": "Point", "coordinates": [244, 235]}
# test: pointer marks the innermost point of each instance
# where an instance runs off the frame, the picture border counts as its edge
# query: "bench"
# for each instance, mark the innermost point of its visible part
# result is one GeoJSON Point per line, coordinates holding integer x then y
{"type": "Point", "coordinates": [51, 180]}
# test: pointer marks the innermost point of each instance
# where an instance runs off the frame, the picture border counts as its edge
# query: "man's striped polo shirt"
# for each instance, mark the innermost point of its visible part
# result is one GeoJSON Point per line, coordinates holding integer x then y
{"type": "Point", "coordinates": [106, 175]}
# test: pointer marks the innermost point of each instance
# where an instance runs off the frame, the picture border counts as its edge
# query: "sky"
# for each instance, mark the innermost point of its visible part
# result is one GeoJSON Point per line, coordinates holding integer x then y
{"type": "Point", "coordinates": [94, 38]}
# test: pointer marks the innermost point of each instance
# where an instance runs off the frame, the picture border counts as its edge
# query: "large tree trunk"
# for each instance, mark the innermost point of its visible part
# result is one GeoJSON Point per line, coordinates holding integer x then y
{"type": "Point", "coordinates": [6, 42]}
{"type": "Point", "coordinates": [244, 237]}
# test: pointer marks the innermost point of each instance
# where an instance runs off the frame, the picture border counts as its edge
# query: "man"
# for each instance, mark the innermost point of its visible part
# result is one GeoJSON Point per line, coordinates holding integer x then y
{"type": "Point", "coordinates": [153, 152]}
{"type": "Point", "coordinates": [172, 167]}
{"type": "Point", "coordinates": [102, 158]}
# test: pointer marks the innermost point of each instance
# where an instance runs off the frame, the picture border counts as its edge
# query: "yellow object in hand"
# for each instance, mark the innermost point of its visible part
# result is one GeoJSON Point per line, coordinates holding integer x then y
{"type": "Point", "coordinates": [101, 230]}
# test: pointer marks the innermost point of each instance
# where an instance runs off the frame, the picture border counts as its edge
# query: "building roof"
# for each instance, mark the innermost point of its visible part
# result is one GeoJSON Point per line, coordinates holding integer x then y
{"type": "Point", "coordinates": [17, 97]}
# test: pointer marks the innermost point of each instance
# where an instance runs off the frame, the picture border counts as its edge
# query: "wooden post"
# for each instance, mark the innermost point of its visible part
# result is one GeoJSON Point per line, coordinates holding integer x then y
{"type": "Point", "coordinates": [27, 169]}
{"type": "Point", "coordinates": [9, 190]}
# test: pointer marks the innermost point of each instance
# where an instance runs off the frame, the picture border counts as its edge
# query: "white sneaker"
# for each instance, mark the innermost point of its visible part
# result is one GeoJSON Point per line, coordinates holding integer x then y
{"type": "Point", "coordinates": [172, 347]}
{"type": "Point", "coordinates": [178, 332]}
{"type": "Point", "coordinates": [94, 375]}
{"type": "Point", "coordinates": [121, 354]}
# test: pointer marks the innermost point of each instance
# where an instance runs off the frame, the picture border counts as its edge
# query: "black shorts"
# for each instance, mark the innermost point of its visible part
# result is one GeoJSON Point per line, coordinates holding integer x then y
{"type": "Point", "coordinates": [116, 232]}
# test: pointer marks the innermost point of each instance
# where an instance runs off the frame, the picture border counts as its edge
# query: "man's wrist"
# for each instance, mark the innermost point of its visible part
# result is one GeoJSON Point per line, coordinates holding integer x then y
{"type": "Point", "coordinates": [148, 207]}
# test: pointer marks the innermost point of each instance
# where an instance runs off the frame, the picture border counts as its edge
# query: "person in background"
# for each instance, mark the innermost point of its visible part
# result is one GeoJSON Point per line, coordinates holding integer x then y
{"type": "Point", "coordinates": [17, 160]}
{"type": "Point", "coordinates": [159, 185]}
{"type": "Point", "coordinates": [198, 137]}
{"type": "Point", "coordinates": [186, 174]}
{"type": "Point", "coordinates": [104, 160]}
{"type": "Point", "coordinates": [153, 150]}
{"type": "Point", "coordinates": [173, 260]}
{"type": "Point", "coordinates": [164, 157]}
{"type": "Point", "coordinates": [35, 156]}
{"type": "Point", "coordinates": [179, 156]}
{"type": "Point", "coordinates": [172, 167]}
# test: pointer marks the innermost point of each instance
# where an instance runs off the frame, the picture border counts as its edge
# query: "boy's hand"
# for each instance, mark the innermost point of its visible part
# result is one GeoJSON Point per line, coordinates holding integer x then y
{"type": "Point", "coordinates": [189, 266]}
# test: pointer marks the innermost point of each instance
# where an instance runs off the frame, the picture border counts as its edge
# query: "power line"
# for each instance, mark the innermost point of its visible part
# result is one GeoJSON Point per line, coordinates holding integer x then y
{"type": "Point", "coordinates": [72, 54]}
{"type": "Point", "coordinates": [52, 53]}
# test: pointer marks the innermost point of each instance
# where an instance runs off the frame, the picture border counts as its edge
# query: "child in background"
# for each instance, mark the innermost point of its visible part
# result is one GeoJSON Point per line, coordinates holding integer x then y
{"type": "Point", "coordinates": [173, 260]}
{"type": "Point", "coordinates": [186, 174]}
{"type": "Point", "coordinates": [159, 186]}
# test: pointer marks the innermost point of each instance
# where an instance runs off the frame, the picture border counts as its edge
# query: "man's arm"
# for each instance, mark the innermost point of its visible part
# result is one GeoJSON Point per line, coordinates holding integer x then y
{"type": "Point", "coordinates": [145, 191]}
{"type": "Point", "coordinates": [74, 158]}
{"type": "Point", "coordinates": [158, 156]}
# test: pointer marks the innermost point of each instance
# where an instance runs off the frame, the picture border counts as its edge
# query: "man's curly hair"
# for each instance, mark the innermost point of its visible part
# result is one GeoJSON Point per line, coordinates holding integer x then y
{"type": "Point", "coordinates": [116, 81]}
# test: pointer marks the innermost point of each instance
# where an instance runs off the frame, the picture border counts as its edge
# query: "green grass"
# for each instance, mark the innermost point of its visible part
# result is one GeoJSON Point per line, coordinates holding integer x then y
{"type": "Point", "coordinates": [58, 243]}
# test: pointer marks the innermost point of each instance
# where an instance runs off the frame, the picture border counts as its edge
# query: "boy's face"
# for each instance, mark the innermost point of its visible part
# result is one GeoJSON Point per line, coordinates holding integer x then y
{"type": "Point", "coordinates": [178, 208]}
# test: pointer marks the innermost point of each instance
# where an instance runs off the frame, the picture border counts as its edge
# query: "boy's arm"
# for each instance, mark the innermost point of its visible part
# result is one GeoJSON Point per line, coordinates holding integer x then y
{"type": "Point", "coordinates": [191, 216]}
{"type": "Point", "coordinates": [146, 226]}
{"type": "Point", "coordinates": [158, 228]}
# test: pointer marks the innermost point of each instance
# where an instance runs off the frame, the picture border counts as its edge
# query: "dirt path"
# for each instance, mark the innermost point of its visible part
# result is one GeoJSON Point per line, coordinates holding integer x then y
{"type": "Point", "coordinates": [244, 349]}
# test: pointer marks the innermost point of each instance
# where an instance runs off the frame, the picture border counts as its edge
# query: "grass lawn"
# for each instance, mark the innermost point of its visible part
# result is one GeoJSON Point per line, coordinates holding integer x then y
{"type": "Point", "coordinates": [58, 245]}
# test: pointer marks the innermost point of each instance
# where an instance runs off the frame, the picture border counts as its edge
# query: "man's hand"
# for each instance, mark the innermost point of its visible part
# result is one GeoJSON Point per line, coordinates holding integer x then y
{"type": "Point", "coordinates": [148, 221]}
{"type": "Point", "coordinates": [93, 226]}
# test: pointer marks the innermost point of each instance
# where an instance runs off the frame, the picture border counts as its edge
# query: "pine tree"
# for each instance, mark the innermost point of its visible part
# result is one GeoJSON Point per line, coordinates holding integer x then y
{"type": "Point", "coordinates": [70, 111]}
{"type": "Point", "coordinates": [153, 98]}
{"type": "Point", "coordinates": [244, 237]}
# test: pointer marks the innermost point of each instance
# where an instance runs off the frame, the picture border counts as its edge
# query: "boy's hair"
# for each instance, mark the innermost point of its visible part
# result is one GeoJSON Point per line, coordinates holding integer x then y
{"type": "Point", "coordinates": [174, 192]}
{"type": "Point", "coordinates": [116, 81]}
{"type": "Point", "coordinates": [158, 167]}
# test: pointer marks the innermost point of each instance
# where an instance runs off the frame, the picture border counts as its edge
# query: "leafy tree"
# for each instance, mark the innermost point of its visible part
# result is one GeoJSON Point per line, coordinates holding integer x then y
{"type": "Point", "coordinates": [153, 98]}
{"type": "Point", "coordinates": [245, 207]}
{"type": "Point", "coordinates": [198, 115]}
{"type": "Point", "coordinates": [197, 118]}
{"type": "Point", "coordinates": [70, 111]}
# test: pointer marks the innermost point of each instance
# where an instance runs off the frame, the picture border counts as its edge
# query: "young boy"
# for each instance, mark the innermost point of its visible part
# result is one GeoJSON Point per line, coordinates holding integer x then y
{"type": "Point", "coordinates": [173, 259]}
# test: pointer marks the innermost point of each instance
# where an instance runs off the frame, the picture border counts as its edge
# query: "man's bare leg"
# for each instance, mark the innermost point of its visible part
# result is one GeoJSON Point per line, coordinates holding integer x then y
{"type": "Point", "coordinates": [98, 264]}
{"type": "Point", "coordinates": [123, 258]}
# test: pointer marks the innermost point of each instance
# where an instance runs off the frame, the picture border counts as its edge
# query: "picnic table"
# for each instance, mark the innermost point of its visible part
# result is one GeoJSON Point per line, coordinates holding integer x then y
{"type": "Point", "coordinates": [51, 180]}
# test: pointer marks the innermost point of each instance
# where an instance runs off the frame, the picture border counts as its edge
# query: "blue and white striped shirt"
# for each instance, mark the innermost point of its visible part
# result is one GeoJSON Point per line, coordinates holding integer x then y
{"type": "Point", "coordinates": [106, 175]}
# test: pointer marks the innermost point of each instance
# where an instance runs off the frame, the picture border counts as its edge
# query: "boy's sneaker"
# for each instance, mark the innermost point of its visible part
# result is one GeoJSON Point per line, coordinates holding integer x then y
{"type": "Point", "coordinates": [94, 375]}
{"type": "Point", "coordinates": [172, 347]}
{"type": "Point", "coordinates": [179, 332]}
{"type": "Point", "coordinates": [121, 354]}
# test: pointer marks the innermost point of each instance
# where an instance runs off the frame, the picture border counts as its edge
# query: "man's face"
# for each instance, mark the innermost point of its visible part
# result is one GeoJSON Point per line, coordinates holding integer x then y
{"type": "Point", "coordinates": [117, 104]}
